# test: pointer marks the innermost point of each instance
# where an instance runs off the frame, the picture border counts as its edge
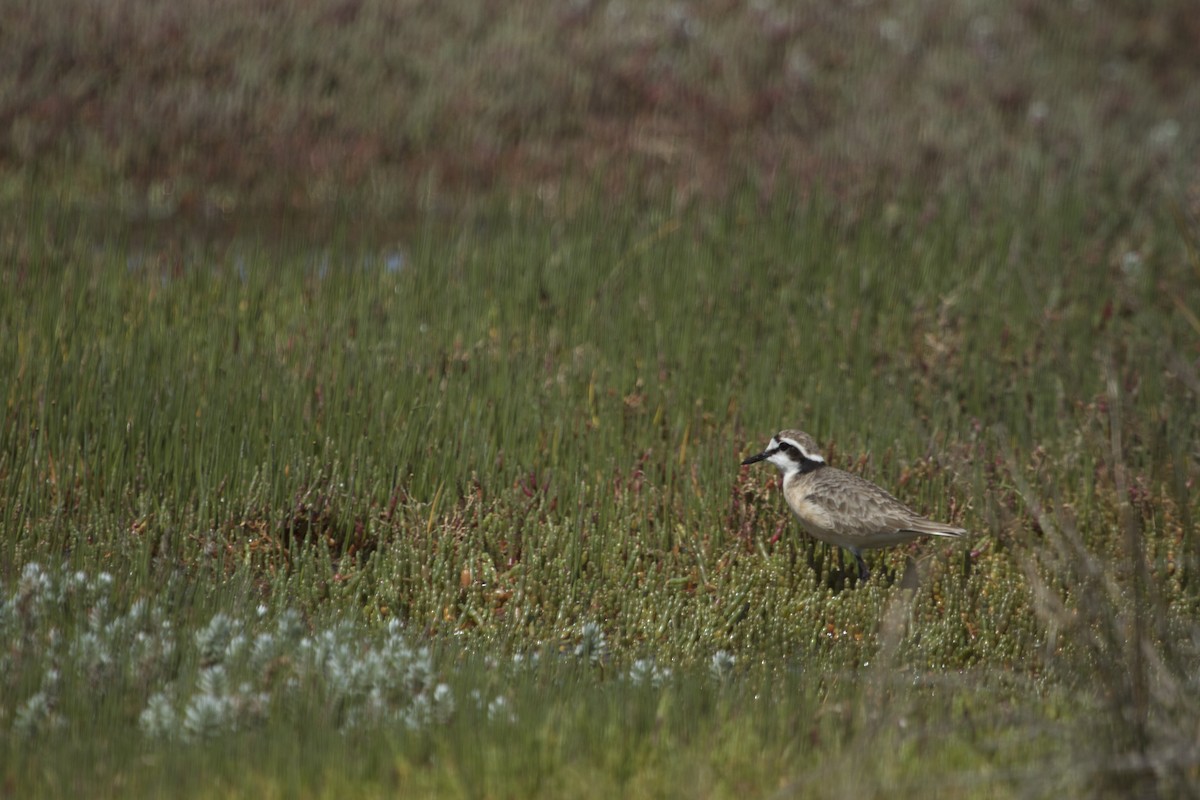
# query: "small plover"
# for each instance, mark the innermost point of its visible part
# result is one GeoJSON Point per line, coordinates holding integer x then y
{"type": "Point", "coordinates": [841, 508]}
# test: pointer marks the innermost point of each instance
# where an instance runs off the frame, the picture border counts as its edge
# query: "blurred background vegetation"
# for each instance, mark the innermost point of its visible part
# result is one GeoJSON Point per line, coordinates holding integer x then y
{"type": "Point", "coordinates": [210, 108]}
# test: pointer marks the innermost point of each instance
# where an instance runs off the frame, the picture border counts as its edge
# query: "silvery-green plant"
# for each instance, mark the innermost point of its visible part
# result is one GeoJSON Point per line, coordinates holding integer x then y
{"type": "Point", "coordinates": [646, 672]}
{"type": "Point", "coordinates": [501, 710]}
{"type": "Point", "coordinates": [67, 625]}
{"type": "Point", "coordinates": [522, 661]}
{"type": "Point", "coordinates": [213, 639]}
{"type": "Point", "coordinates": [39, 713]}
{"type": "Point", "coordinates": [159, 720]}
{"type": "Point", "coordinates": [223, 677]}
{"type": "Point", "coordinates": [209, 712]}
{"type": "Point", "coordinates": [721, 665]}
{"type": "Point", "coordinates": [593, 646]}
{"type": "Point", "coordinates": [375, 684]}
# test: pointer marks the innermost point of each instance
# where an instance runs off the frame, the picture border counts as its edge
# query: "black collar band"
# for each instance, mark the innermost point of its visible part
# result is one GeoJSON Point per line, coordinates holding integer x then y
{"type": "Point", "coordinates": [808, 465]}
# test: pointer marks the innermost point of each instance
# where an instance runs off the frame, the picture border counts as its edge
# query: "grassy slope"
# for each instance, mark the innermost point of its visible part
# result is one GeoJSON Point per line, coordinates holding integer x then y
{"type": "Point", "coordinates": [528, 425]}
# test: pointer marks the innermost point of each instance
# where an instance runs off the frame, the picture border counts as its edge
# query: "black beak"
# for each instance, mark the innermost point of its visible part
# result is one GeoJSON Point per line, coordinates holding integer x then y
{"type": "Point", "coordinates": [757, 458]}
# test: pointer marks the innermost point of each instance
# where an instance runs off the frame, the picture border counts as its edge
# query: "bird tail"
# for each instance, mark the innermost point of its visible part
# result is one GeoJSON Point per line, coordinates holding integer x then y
{"type": "Point", "coordinates": [935, 528]}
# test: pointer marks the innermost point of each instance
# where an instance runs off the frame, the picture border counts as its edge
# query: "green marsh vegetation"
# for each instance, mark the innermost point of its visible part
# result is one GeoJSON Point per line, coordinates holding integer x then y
{"type": "Point", "coordinates": [299, 500]}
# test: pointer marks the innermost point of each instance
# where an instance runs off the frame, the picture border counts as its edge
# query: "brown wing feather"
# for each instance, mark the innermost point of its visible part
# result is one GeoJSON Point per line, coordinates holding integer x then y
{"type": "Point", "coordinates": [858, 506]}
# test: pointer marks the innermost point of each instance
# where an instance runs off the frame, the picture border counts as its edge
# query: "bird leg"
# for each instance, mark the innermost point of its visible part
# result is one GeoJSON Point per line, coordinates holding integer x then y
{"type": "Point", "coordinates": [863, 572]}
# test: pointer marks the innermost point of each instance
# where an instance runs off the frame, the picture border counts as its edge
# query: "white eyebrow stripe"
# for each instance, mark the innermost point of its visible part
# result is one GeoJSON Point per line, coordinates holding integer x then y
{"type": "Point", "coordinates": [804, 451]}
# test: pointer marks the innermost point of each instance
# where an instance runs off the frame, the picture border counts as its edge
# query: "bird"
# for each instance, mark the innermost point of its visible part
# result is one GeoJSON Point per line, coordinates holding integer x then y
{"type": "Point", "coordinates": [839, 507]}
